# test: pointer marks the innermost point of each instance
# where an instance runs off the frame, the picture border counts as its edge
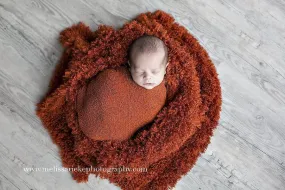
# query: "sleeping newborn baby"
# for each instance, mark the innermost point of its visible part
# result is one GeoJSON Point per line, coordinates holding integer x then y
{"type": "Point", "coordinates": [118, 102]}
{"type": "Point", "coordinates": [148, 60]}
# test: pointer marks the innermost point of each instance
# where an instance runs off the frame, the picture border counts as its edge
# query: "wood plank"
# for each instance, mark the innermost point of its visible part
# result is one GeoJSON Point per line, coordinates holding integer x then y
{"type": "Point", "coordinates": [245, 40]}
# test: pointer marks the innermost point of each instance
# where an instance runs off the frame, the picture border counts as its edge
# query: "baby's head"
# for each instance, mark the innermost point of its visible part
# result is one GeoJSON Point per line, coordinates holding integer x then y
{"type": "Point", "coordinates": [148, 59]}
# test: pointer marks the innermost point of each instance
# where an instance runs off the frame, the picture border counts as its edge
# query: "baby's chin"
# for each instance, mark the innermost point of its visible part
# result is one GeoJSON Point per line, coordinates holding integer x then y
{"type": "Point", "coordinates": [148, 87]}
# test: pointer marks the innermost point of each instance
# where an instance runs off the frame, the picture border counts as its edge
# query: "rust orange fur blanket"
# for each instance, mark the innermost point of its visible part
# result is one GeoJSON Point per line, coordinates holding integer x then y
{"type": "Point", "coordinates": [168, 146]}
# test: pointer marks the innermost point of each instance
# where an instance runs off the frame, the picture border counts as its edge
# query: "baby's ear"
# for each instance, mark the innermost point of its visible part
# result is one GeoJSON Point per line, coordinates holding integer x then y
{"type": "Point", "coordinates": [129, 66]}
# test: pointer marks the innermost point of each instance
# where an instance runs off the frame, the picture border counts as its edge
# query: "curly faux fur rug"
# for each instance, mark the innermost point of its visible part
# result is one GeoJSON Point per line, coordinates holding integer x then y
{"type": "Point", "coordinates": [170, 145]}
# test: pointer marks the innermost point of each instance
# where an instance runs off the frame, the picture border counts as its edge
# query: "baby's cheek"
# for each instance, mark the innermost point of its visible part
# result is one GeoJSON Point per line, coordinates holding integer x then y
{"type": "Point", "coordinates": [161, 78]}
{"type": "Point", "coordinates": [137, 79]}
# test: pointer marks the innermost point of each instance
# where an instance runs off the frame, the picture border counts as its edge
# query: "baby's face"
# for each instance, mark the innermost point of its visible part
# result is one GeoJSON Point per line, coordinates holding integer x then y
{"type": "Point", "coordinates": [148, 70]}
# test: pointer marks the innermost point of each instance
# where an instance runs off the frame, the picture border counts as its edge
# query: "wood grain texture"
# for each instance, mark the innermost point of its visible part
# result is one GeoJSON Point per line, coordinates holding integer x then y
{"type": "Point", "coordinates": [245, 40]}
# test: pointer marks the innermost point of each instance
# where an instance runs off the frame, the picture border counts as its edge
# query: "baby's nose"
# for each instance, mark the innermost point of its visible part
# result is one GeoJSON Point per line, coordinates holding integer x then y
{"type": "Point", "coordinates": [147, 77]}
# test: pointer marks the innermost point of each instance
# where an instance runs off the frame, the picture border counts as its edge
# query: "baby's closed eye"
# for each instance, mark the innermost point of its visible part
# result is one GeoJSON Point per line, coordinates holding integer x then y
{"type": "Point", "coordinates": [155, 72]}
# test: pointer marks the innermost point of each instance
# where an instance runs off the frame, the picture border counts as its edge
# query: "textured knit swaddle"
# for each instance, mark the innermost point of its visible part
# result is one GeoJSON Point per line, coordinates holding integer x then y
{"type": "Point", "coordinates": [112, 106]}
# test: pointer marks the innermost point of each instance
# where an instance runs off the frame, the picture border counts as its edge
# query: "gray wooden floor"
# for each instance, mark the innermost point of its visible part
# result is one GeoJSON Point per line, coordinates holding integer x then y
{"type": "Point", "coordinates": [246, 41]}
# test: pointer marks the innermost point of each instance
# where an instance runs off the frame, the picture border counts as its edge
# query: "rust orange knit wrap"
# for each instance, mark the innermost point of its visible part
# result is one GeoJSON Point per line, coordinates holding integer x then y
{"type": "Point", "coordinates": [113, 107]}
{"type": "Point", "coordinates": [169, 145]}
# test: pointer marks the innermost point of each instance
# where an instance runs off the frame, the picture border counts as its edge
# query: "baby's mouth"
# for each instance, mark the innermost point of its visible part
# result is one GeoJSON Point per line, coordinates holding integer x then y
{"type": "Point", "coordinates": [148, 84]}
